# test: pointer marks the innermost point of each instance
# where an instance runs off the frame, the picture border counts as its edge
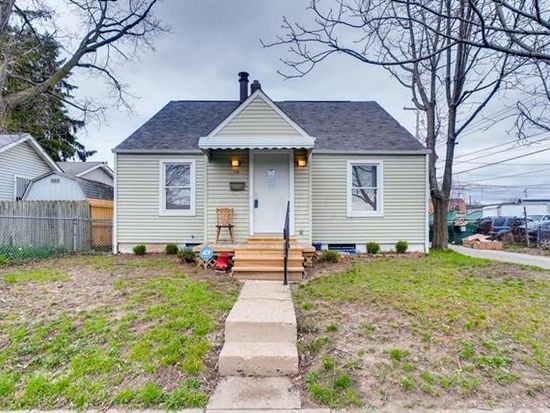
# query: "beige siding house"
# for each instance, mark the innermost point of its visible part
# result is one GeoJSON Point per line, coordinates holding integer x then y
{"type": "Point", "coordinates": [349, 172]}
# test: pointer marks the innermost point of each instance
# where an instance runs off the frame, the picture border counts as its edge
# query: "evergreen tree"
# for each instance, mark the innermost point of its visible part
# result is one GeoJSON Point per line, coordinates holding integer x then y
{"type": "Point", "coordinates": [45, 116]}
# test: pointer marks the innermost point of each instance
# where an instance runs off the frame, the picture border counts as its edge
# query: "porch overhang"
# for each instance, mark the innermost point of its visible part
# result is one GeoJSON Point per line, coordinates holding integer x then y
{"type": "Point", "coordinates": [208, 143]}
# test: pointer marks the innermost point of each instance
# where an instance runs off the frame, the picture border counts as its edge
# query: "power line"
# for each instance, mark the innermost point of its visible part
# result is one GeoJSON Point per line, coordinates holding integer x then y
{"type": "Point", "coordinates": [504, 160]}
{"type": "Point", "coordinates": [490, 178]}
{"type": "Point", "coordinates": [499, 146]}
{"type": "Point", "coordinates": [512, 163]}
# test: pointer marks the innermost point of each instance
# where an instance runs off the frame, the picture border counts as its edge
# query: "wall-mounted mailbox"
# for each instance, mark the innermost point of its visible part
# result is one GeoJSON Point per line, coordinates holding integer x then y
{"type": "Point", "coordinates": [236, 186]}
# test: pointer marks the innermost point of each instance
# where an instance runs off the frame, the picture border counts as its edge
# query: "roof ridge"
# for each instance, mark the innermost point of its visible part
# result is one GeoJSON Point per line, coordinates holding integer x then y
{"type": "Point", "coordinates": [327, 101]}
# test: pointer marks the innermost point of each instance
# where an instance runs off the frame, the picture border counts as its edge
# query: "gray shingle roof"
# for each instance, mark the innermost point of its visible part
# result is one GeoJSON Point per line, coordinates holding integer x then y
{"type": "Point", "coordinates": [95, 189]}
{"type": "Point", "coordinates": [337, 125]}
{"type": "Point", "coordinates": [74, 168]}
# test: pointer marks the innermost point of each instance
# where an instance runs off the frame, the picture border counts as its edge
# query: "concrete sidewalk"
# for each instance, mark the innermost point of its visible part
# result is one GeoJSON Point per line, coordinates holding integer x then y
{"type": "Point", "coordinates": [387, 409]}
{"type": "Point", "coordinates": [504, 256]}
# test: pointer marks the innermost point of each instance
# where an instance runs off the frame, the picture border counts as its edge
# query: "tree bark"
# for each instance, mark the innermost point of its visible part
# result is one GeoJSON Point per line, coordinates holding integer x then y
{"type": "Point", "coordinates": [3, 116]}
{"type": "Point", "coordinates": [440, 237]}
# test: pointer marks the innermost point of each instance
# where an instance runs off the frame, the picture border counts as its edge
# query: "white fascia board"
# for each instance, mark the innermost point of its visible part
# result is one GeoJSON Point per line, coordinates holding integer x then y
{"type": "Point", "coordinates": [371, 152]}
{"type": "Point", "coordinates": [159, 151]}
{"type": "Point", "coordinates": [256, 142]}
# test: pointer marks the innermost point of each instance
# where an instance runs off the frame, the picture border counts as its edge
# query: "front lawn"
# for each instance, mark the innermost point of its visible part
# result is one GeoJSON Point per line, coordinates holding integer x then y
{"type": "Point", "coordinates": [100, 331]}
{"type": "Point", "coordinates": [444, 331]}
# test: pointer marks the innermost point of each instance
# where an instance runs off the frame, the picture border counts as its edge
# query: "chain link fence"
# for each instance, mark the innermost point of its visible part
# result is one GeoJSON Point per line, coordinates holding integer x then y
{"type": "Point", "coordinates": [25, 238]}
{"type": "Point", "coordinates": [539, 236]}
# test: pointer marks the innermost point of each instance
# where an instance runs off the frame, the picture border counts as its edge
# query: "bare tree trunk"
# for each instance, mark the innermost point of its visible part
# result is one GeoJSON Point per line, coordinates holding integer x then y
{"type": "Point", "coordinates": [3, 116]}
{"type": "Point", "coordinates": [440, 231]}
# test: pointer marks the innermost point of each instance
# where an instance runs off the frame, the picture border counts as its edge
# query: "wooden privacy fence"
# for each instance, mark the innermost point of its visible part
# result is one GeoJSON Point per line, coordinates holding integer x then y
{"type": "Point", "coordinates": [101, 213]}
{"type": "Point", "coordinates": [66, 225]}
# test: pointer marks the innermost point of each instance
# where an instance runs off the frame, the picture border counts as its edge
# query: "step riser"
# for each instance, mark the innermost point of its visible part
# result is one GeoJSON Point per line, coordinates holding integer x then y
{"type": "Point", "coordinates": [279, 263]}
{"type": "Point", "coordinates": [263, 366]}
{"type": "Point", "coordinates": [268, 270]}
{"type": "Point", "coordinates": [245, 332]}
{"type": "Point", "coordinates": [294, 277]}
{"type": "Point", "coordinates": [267, 253]}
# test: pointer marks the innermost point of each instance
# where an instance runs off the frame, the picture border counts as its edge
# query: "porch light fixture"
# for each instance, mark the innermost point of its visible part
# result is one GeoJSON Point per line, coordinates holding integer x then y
{"type": "Point", "coordinates": [302, 163]}
{"type": "Point", "coordinates": [235, 163]}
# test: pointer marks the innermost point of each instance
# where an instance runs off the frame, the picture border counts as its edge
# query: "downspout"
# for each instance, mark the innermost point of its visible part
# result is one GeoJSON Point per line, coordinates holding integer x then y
{"type": "Point", "coordinates": [115, 205]}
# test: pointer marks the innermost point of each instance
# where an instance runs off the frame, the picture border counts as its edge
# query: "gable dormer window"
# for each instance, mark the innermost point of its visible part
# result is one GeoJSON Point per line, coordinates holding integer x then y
{"type": "Point", "coordinates": [177, 179]}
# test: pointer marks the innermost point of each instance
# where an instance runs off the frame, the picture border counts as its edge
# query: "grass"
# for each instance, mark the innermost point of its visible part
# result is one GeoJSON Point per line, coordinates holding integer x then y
{"type": "Point", "coordinates": [13, 254]}
{"type": "Point", "coordinates": [149, 348]}
{"type": "Point", "coordinates": [35, 274]}
{"type": "Point", "coordinates": [441, 324]}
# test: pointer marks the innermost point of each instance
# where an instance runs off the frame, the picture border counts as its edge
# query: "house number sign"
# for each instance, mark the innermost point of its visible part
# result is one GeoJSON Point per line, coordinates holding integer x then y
{"type": "Point", "coordinates": [271, 176]}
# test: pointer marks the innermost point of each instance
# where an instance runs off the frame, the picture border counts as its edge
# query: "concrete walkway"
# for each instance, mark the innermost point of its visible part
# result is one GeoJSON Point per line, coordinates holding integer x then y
{"type": "Point", "coordinates": [259, 352]}
{"type": "Point", "coordinates": [504, 256]}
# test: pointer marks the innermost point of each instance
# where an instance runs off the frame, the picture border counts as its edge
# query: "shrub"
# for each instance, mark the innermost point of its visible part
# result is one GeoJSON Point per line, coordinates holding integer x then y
{"type": "Point", "coordinates": [373, 247]}
{"type": "Point", "coordinates": [171, 249]}
{"type": "Point", "coordinates": [329, 256]}
{"type": "Point", "coordinates": [332, 328]}
{"type": "Point", "coordinates": [187, 255]}
{"type": "Point", "coordinates": [4, 260]}
{"type": "Point", "coordinates": [140, 249]}
{"type": "Point", "coordinates": [401, 247]}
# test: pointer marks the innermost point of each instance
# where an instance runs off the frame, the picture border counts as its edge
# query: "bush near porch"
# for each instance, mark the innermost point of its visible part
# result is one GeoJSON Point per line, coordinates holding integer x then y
{"type": "Point", "coordinates": [99, 331]}
{"type": "Point", "coordinates": [444, 331]}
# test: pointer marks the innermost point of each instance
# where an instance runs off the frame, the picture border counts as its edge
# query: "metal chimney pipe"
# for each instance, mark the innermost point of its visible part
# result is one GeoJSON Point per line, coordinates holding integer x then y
{"type": "Point", "coordinates": [243, 83]}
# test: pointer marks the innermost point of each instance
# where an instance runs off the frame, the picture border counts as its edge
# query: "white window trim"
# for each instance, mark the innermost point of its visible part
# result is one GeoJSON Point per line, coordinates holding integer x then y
{"type": "Point", "coordinates": [162, 195]}
{"type": "Point", "coordinates": [379, 199]}
{"type": "Point", "coordinates": [15, 176]}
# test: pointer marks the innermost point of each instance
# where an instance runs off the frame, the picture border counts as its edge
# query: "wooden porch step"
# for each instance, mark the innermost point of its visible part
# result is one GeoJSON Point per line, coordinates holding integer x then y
{"type": "Point", "coordinates": [268, 276]}
{"type": "Point", "coordinates": [274, 263]}
{"type": "Point", "coordinates": [268, 238]}
{"type": "Point", "coordinates": [261, 253]}
{"type": "Point", "coordinates": [259, 268]}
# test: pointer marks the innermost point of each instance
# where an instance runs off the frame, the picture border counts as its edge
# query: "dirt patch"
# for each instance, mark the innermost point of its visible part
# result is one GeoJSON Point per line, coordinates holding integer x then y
{"type": "Point", "coordinates": [541, 252]}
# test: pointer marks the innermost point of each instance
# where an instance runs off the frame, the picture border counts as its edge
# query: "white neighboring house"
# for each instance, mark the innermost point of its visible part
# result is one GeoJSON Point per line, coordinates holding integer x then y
{"type": "Point", "coordinates": [516, 209]}
{"type": "Point", "coordinates": [93, 171]}
{"type": "Point", "coordinates": [21, 160]}
{"type": "Point", "coordinates": [78, 182]}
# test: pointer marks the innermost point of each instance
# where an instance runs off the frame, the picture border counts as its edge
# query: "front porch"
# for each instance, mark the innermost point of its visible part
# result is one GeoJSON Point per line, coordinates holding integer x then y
{"type": "Point", "coordinates": [261, 257]}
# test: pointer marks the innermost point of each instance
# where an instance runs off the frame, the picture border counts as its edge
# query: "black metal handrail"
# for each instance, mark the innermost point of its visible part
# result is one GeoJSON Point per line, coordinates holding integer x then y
{"type": "Point", "coordinates": [286, 237]}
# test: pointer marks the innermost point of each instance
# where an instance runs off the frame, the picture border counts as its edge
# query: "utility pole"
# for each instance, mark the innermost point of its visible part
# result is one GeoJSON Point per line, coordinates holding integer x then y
{"type": "Point", "coordinates": [417, 132]}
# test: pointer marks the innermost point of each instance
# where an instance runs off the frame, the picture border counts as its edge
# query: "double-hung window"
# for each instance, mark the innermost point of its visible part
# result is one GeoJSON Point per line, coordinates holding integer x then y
{"type": "Point", "coordinates": [177, 187]}
{"type": "Point", "coordinates": [364, 189]}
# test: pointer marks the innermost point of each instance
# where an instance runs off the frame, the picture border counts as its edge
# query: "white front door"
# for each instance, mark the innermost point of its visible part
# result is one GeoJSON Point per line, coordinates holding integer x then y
{"type": "Point", "coordinates": [271, 192]}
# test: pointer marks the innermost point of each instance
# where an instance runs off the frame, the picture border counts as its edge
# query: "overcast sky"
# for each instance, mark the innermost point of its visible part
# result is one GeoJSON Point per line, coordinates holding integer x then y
{"type": "Point", "coordinates": [212, 40]}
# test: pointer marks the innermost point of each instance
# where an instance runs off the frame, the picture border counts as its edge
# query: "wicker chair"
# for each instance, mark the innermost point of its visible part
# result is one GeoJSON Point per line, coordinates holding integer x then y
{"type": "Point", "coordinates": [224, 220]}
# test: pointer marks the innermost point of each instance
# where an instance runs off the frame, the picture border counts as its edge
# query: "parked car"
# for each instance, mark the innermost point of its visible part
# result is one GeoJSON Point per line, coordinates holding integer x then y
{"type": "Point", "coordinates": [501, 228]}
{"type": "Point", "coordinates": [540, 234]}
{"type": "Point", "coordinates": [538, 219]}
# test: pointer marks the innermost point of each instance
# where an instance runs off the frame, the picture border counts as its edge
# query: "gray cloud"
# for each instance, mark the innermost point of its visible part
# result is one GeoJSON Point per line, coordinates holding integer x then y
{"type": "Point", "coordinates": [212, 40]}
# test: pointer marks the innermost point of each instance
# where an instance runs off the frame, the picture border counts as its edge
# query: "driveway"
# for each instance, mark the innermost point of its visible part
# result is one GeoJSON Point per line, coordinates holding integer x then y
{"type": "Point", "coordinates": [513, 257]}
